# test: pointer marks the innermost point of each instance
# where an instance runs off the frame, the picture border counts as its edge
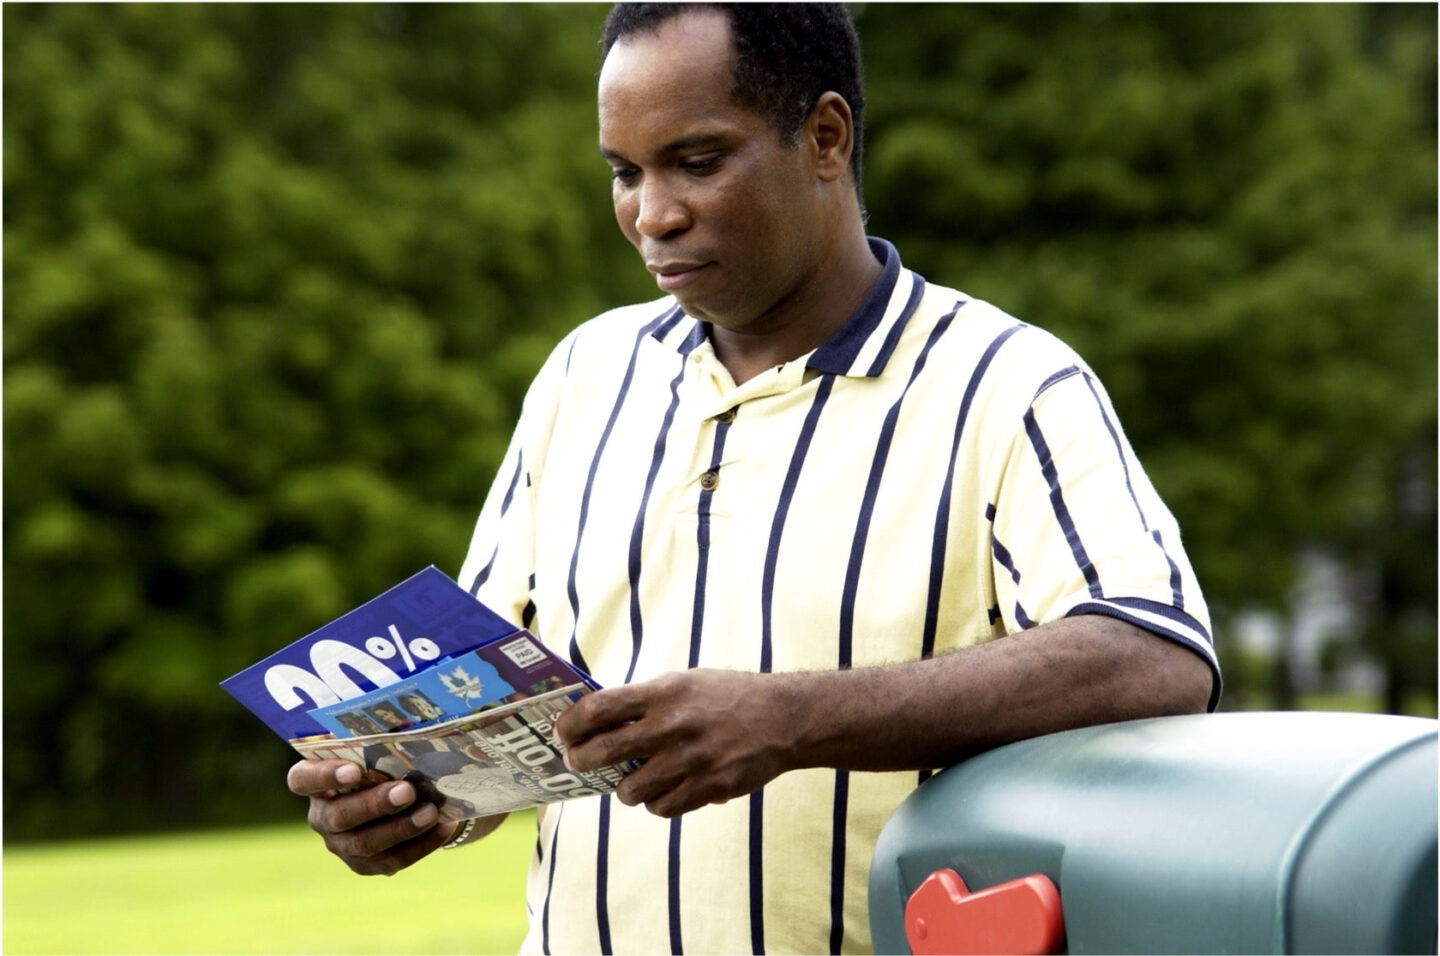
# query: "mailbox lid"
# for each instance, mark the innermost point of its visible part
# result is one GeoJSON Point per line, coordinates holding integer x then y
{"type": "Point", "coordinates": [1364, 873]}
{"type": "Point", "coordinates": [1213, 833]}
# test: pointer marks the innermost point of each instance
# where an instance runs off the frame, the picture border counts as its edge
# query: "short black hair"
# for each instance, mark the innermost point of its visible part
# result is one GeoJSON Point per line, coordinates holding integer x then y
{"type": "Point", "coordinates": [786, 55]}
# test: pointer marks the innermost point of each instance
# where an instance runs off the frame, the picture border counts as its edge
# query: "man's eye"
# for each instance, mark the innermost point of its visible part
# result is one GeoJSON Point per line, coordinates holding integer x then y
{"type": "Point", "coordinates": [624, 175]}
{"type": "Point", "coordinates": [701, 165]}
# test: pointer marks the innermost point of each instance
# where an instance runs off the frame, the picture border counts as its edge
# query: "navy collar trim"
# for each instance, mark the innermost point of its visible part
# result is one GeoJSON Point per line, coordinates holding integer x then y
{"type": "Point", "coordinates": [839, 353]}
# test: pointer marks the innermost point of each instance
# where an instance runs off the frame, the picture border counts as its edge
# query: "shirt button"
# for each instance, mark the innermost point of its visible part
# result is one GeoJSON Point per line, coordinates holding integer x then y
{"type": "Point", "coordinates": [709, 480]}
{"type": "Point", "coordinates": [726, 416]}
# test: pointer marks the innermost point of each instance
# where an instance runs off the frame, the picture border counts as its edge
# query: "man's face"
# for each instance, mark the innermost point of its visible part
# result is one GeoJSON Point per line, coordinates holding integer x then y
{"type": "Point", "coordinates": [723, 213]}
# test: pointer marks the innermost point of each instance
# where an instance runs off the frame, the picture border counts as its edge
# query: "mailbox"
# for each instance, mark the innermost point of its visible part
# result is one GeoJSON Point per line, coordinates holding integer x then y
{"type": "Point", "coordinates": [1219, 833]}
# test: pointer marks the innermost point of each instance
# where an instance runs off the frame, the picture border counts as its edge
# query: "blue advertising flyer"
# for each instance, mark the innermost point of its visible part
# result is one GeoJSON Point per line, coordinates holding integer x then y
{"type": "Point", "coordinates": [390, 639]}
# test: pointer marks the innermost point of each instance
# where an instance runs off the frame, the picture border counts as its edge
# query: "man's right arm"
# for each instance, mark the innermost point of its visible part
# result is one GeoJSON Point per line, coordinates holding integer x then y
{"type": "Point", "coordinates": [376, 825]}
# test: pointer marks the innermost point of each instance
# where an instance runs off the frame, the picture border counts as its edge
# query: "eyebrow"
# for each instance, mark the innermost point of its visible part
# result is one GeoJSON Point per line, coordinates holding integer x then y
{"type": "Point", "coordinates": [674, 146]}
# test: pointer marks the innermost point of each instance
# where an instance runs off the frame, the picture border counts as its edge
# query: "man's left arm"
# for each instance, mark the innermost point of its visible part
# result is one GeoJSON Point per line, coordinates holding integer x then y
{"type": "Point", "coordinates": [707, 736]}
{"type": "Point", "coordinates": [1082, 544]}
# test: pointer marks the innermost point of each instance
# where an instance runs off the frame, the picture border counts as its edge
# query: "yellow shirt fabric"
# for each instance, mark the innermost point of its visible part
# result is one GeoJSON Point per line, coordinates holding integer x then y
{"type": "Point", "coordinates": [935, 475]}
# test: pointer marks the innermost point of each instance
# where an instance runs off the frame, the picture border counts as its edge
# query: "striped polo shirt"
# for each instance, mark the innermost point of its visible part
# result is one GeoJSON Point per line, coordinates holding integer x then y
{"type": "Point", "coordinates": [935, 475]}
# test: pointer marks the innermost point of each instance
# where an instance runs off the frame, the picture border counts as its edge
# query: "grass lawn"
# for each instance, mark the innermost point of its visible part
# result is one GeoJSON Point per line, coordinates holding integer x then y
{"type": "Point", "coordinates": [270, 890]}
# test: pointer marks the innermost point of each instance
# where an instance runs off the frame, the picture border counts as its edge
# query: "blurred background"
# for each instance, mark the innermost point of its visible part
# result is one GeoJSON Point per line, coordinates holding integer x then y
{"type": "Point", "coordinates": [276, 277]}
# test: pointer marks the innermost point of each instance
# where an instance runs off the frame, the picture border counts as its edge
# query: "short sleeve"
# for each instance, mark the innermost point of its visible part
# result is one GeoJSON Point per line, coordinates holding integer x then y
{"type": "Point", "coordinates": [1077, 528]}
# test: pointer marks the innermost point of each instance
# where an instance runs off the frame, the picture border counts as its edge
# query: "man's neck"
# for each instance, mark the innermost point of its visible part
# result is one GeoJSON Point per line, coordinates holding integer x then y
{"type": "Point", "coordinates": [816, 311]}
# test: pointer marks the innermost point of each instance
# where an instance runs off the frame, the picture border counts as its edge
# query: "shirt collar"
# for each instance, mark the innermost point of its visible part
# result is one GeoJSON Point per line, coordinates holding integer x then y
{"type": "Point", "coordinates": [860, 347]}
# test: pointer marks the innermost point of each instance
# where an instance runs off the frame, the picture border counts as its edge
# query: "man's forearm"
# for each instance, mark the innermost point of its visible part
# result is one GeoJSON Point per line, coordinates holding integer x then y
{"type": "Point", "coordinates": [706, 736]}
{"type": "Point", "coordinates": [1071, 673]}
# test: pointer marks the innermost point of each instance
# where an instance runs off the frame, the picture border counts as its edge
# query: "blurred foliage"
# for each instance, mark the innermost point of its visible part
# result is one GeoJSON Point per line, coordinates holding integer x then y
{"type": "Point", "coordinates": [277, 275]}
{"type": "Point", "coordinates": [1230, 211]}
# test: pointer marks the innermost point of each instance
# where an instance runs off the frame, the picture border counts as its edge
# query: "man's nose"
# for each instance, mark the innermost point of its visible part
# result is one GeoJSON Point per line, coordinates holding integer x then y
{"type": "Point", "coordinates": [660, 211]}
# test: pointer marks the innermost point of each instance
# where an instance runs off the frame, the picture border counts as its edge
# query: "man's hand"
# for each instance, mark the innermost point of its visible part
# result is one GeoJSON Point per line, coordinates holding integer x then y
{"type": "Point", "coordinates": [375, 827]}
{"type": "Point", "coordinates": [705, 736]}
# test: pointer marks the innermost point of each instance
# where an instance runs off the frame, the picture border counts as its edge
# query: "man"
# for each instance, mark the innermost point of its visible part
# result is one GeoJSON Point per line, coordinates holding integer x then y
{"type": "Point", "coordinates": [782, 514]}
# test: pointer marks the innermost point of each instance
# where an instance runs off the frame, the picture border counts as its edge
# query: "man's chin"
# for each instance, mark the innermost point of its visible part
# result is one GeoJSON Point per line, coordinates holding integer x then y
{"type": "Point", "coordinates": [694, 306]}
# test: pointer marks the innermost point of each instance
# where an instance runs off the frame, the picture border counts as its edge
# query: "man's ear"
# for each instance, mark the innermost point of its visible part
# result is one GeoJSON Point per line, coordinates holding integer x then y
{"type": "Point", "coordinates": [830, 131]}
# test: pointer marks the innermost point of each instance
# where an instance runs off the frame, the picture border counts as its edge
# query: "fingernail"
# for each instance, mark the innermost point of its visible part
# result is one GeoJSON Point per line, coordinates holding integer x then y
{"type": "Point", "coordinates": [401, 794]}
{"type": "Point", "coordinates": [425, 816]}
{"type": "Point", "coordinates": [348, 774]}
{"type": "Point", "coordinates": [565, 756]}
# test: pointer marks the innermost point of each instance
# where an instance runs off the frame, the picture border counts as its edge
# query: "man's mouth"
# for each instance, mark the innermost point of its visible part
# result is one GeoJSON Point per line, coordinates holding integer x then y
{"type": "Point", "coordinates": [671, 276]}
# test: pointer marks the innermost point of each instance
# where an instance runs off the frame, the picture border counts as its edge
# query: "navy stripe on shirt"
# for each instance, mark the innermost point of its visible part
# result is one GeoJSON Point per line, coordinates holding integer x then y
{"type": "Point", "coordinates": [757, 871]}
{"type": "Point", "coordinates": [837, 860]}
{"type": "Point", "coordinates": [767, 619]}
{"type": "Point", "coordinates": [847, 622]}
{"type": "Point", "coordinates": [1057, 504]}
{"type": "Point", "coordinates": [1133, 611]}
{"type": "Point", "coordinates": [602, 876]}
{"type": "Point", "coordinates": [602, 854]}
{"type": "Point", "coordinates": [1003, 557]}
{"type": "Point", "coordinates": [697, 627]}
{"type": "Point", "coordinates": [892, 338]}
{"type": "Point", "coordinates": [550, 881]}
{"type": "Point", "coordinates": [484, 574]}
{"type": "Point", "coordinates": [1176, 586]}
{"type": "Point", "coordinates": [940, 537]}
{"type": "Point", "coordinates": [576, 657]}
{"type": "Point", "coordinates": [1056, 378]}
{"type": "Point", "coordinates": [674, 887]}
{"type": "Point", "coordinates": [1177, 592]}
{"type": "Point", "coordinates": [782, 510]}
{"type": "Point", "coordinates": [838, 354]}
{"type": "Point", "coordinates": [637, 533]}
{"type": "Point", "coordinates": [1162, 610]}
{"type": "Point", "coordinates": [1119, 451]}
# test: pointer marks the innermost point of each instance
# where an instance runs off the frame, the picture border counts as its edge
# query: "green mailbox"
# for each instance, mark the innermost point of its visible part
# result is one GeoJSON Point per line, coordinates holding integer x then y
{"type": "Point", "coordinates": [1222, 833]}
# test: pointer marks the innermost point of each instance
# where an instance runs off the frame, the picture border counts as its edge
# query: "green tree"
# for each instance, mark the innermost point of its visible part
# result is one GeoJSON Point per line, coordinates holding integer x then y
{"type": "Point", "coordinates": [1230, 211]}
{"type": "Point", "coordinates": [276, 277]}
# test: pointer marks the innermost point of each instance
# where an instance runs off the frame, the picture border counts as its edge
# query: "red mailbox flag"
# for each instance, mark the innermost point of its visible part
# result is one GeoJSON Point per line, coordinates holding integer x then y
{"type": "Point", "coordinates": [1019, 917]}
